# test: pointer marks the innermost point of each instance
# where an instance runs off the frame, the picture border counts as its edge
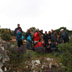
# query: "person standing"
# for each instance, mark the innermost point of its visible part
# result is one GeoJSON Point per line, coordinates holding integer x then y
{"type": "Point", "coordinates": [19, 35]}
{"type": "Point", "coordinates": [52, 35]}
{"type": "Point", "coordinates": [18, 27]}
{"type": "Point", "coordinates": [49, 35]}
{"type": "Point", "coordinates": [64, 35]}
{"type": "Point", "coordinates": [28, 39]}
{"type": "Point", "coordinates": [45, 37]}
{"type": "Point", "coordinates": [36, 36]}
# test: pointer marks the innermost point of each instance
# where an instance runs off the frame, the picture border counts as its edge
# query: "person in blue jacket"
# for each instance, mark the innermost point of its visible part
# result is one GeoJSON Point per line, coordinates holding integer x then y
{"type": "Point", "coordinates": [52, 35]}
{"type": "Point", "coordinates": [28, 39]}
{"type": "Point", "coordinates": [19, 35]}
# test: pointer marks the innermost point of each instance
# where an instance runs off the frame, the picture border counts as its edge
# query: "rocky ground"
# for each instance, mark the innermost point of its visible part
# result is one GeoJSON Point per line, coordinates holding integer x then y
{"type": "Point", "coordinates": [11, 60]}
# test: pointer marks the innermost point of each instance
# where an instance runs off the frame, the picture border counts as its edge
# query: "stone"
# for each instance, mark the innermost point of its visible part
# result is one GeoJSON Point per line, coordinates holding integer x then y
{"type": "Point", "coordinates": [3, 53]}
{"type": "Point", "coordinates": [50, 65]}
{"type": "Point", "coordinates": [35, 63]}
{"type": "Point", "coordinates": [2, 48]}
{"type": "Point", "coordinates": [5, 69]}
{"type": "Point", "coordinates": [49, 59]}
{"type": "Point", "coordinates": [0, 67]}
{"type": "Point", "coordinates": [1, 70]}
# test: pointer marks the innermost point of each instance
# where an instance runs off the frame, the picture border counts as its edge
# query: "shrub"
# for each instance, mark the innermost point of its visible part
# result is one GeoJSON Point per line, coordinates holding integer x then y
{"type": "Point", "coordinates": [66, 57]}
{"type": "Point", "coordinates": [6, 36]}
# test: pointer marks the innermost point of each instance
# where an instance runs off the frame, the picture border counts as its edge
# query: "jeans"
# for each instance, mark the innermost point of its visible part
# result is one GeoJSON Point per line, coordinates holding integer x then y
{"type": "Point", "coordinates": [28, 45]}
{"type": "Point", "coordinates": [19, 43]}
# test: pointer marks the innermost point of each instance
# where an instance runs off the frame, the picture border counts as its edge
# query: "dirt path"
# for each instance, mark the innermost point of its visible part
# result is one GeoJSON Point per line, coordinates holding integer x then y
{"type": "Point", "coordinates": [13, 39]}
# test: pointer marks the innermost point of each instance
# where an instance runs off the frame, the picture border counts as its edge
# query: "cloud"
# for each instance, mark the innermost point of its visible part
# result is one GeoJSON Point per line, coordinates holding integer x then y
{"type": "Point", "coordinates": [43, 14]}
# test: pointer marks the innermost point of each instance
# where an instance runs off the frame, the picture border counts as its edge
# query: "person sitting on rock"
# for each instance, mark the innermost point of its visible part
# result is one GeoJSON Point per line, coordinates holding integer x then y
{"type": "Point", "coordinates": [51, 46]}
{"type": "Point", "coordinates": [40, 46]}
{"type": "Point", "coordinates": [59, 39]}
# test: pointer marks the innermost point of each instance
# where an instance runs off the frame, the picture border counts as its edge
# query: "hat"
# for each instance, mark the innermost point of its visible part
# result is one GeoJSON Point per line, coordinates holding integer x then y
{"type": "Point", "coordinates": [61, 29]}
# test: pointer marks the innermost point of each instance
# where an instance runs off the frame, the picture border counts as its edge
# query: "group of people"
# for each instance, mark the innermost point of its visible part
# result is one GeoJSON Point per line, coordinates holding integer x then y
{"type": "Point", "coordinates": [36, 39]}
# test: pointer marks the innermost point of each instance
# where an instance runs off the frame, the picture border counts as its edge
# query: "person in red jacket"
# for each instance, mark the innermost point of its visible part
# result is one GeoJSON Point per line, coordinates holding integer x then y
{"type": "Point", "coordinates": [36, 36]}
{"type": "Point", "coordinates": [39, 47]}
{"type": "Point", "coordinates": [39, 44]}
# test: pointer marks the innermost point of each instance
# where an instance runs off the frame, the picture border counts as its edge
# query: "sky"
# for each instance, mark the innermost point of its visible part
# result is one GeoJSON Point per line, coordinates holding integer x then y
{"type": "Point", "coordinates": [42, 14]}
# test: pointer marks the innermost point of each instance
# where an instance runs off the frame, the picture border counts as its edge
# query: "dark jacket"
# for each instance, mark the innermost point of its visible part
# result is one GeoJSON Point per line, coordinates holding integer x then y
{"type": "Point", "coordinates": [65, 36]}
{"type": "Point", "coordinates": [52, 37]}
{"type": "Point", "coordinates": [49, 36]}
{"type": "Point", "coordinates": [27, 34]}
{"type": "Point", "coordinates": [45, 37]}
{"type": "Point", "coordinates": [17, 29]}
{"type": "Point", "coordinates": [59, 40]}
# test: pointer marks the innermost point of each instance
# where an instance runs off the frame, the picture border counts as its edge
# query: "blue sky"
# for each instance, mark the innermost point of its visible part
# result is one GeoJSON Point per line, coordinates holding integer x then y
{"type": "Point", "coordinates": [42, 14]}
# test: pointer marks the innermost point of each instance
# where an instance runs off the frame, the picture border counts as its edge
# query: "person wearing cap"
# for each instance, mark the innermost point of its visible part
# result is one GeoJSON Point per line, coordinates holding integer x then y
{"type": "Point", "coordinates": [64, 35]}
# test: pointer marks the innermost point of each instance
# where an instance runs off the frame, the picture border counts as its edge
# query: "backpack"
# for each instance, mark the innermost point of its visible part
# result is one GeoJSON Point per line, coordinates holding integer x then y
{"type": "Point", "coordinates": [22, 37]}
{"type": "Point", "coordinates": [19, 35]}
{"type": "Point", "coordinates": [29, 38]}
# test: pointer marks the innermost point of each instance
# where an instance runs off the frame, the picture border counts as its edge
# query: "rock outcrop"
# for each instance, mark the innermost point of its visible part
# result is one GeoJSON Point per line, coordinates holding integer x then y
{"type": "Point", "coordinates": [4, 58]}
{"type": "Point", "coordinates": [45, 64]}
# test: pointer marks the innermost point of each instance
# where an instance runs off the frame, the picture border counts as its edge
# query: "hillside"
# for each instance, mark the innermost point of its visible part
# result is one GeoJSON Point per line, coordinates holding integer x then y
{"type": "Point", "coordinates": [13, 59]}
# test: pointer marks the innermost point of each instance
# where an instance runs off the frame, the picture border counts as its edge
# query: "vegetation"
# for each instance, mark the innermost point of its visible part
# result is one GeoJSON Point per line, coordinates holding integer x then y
{"type": "Point", "coordinates": [66, 56]}
{"type": "Point", "coordinates": [6, 36]}
{"type": "Point", "coordinates": [68, 31]}
{"type": "Point", "coordinates": [7, 31]}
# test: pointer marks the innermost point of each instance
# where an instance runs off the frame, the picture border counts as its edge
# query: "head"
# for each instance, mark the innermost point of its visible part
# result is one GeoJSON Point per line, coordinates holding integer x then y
{"type": "Point", "coordinates": [45, 32]}
{"type": "Point", "coordinates": [41, 31]}
{"type": "Point", "coordinates": [62, 30]}
{"type": "Point", "coordinates": [18, 25]}
{"type": "Point", "coordinates": [49, 32]}
{"type": "Point", "coordinates": [37, 30]}
{"type": "Point", "coordinates": [42, 41]}
{"type": "Point", "coordinates": [58, 36]}
{"type": "Point", "coordinates": [59, 33]}
{"type": "Point", "coordinates": [19, 28]}
{"type": "Point", "coordinates": [28, 30]}
{"type": "Point", "coordinates": [49, 41]}
{"type": "Point", "coordinates": [55, 33]}
{"type": "Point", "coordinates": [52, 31]}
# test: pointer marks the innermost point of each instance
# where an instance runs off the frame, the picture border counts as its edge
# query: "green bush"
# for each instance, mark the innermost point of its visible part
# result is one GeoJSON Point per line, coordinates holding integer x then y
{"type": "Point", "coordinates": [66, 57]}
{"type": "Point", "coordinates": [6, 36]}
